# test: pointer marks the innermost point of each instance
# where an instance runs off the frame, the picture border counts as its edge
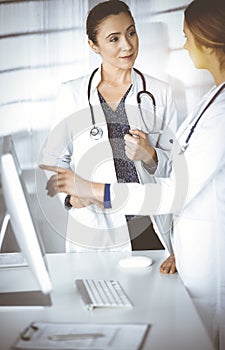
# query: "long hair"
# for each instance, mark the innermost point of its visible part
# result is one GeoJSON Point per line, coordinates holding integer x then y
{"type": "Point", "coordinates": [206, 21]}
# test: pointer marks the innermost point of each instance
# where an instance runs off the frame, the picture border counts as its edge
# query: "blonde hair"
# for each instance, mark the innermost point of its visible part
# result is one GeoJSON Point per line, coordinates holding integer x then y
{"type": "Point", "coordinates": [206, 21]}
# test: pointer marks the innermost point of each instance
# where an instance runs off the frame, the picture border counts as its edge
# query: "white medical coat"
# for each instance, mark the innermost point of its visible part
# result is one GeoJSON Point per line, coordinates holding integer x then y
{"type": "Point", "coordinates": [69, 145]}
{"type": "Point", "coordinates": [195, 194]}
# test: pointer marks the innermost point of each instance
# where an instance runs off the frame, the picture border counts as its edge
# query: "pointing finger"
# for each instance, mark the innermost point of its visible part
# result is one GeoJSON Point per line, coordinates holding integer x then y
{"type": "Point", "coordinates": [56, 169]}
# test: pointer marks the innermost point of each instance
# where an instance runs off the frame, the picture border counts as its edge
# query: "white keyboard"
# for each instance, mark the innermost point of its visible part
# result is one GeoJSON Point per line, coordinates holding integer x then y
{"type": "Point", "coordinates": [102, 293]}
{"type": "Point", "coordinates": [12, 260]}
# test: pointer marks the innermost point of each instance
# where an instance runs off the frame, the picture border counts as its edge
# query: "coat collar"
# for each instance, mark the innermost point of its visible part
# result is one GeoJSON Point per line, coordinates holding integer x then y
{"type": "Point", "coordinates": [136, 86]}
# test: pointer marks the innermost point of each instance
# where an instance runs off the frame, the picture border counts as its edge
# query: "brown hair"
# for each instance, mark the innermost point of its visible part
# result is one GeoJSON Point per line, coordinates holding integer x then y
{"type": "Point", "coordinates": [101, 12]}
{"type": "Point", "coordinates": [206, 21]}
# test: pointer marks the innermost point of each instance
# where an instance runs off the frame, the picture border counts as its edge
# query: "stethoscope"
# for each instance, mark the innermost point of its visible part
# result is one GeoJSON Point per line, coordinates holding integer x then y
{"type": "Point", "coordinates": [187, 141]}
{"type": "Point", "coordinates": [96, 132]}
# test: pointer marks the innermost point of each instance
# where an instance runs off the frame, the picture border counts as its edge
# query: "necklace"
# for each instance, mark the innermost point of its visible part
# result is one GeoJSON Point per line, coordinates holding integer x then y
{"type": "Point", "coordinates": [106, 84]}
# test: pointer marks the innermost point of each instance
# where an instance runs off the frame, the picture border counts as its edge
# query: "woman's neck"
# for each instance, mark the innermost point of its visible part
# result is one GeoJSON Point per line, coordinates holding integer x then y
{"type": "Point", "coordinates": [116, 77]}
{"type": "Point", "coordinates": [217, 72]}
{"type": "Point", "coordinates": [220, 78]}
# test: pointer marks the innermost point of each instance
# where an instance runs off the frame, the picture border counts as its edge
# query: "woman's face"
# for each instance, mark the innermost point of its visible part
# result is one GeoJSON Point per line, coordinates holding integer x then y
{"type": "Point", "coordinates": [196, 52]}
{"type": "Point", "coordinates": [117, 41]}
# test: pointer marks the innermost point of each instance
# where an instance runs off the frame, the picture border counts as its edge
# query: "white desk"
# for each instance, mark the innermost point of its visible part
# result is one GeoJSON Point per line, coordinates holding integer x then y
{"type": "Point", "coordinates": [160, 300]}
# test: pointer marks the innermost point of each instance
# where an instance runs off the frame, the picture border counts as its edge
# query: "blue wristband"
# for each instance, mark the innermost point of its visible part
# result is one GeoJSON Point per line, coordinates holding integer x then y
{"type": "Point", "coordinates": [107, 199]}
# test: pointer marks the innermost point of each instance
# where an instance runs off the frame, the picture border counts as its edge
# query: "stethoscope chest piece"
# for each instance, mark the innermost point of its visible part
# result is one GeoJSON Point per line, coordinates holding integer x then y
{"type": "Point", "coordinates": [96, 133]}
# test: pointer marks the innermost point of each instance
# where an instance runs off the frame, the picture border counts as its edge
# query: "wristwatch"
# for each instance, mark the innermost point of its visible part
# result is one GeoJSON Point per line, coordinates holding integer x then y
{"type": "Point", "coordinates": [67, 204]}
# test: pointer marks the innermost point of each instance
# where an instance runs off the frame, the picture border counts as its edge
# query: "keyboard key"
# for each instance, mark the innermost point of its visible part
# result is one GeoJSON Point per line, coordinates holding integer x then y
{"type": "Point", "coordinates": [12, 260]}
{"type": "Point", "coordinates": [102, 293]}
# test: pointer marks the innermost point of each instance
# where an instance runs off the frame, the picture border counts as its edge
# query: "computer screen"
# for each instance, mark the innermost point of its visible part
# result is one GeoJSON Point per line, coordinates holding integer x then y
{"type": "Point", "coordinates": [21, 221]}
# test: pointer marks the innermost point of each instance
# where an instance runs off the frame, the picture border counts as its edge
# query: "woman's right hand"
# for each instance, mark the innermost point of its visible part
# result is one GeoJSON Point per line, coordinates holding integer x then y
{"type": "Point", "coordinates": [169, 265]}
{"type": "Point", "coordinates": [137, 147]}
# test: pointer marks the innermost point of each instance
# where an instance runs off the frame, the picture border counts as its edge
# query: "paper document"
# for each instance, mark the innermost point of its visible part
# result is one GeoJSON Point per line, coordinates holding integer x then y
{"type": "Point", "coordinates": [41, 335]}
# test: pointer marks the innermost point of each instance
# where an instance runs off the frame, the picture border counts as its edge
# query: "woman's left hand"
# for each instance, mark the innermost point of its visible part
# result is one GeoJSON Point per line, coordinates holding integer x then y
{"type": "Point", "coordinates": [169, 265]}
{"type": "Point", "coordinates": [137, 147]}
{"type": "Point", "coordinates": [78, 203]}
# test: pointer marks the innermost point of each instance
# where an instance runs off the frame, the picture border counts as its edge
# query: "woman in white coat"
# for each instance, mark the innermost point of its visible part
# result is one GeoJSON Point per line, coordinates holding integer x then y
{"type": "Point", "coordinates": [111, 34]}
{"type": "Point", "coordinates": [195, 190]}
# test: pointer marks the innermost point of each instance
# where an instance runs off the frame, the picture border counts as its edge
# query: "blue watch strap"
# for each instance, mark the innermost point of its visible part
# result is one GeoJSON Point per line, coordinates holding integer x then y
{"type": "Point", "coordinates": [107, 199]}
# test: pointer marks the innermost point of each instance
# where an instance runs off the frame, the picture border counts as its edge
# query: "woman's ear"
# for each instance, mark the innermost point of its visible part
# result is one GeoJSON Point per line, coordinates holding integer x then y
{"type": "Point", "coordinates": [208, 50]}
{"type": "Point", "coordinates": [93, 46]}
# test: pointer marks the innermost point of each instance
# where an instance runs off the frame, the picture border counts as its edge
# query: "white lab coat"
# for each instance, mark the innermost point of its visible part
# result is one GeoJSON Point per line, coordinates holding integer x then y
{"type": "Point", "coordinates": [195, 194]}
{"type": "Point", "coordinates": [69, 145]}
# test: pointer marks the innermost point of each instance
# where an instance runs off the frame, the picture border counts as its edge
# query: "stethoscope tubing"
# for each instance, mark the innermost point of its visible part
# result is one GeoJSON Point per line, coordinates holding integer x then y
{"type": "Point", "coordinates": [89, 95]}
{"type": "Point", "coordinates": [193, 127]}
{"type": "Point", "coordinates": [96, 132]}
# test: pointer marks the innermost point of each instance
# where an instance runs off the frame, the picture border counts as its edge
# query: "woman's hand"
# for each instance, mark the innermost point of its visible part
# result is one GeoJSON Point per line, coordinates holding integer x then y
{"type": "Point", "coordinates": [169, 265]}
{"type": "Point", "coordinates": [83, 191]}
{"type": "Point", "coordinates": [64, 180]}
{"type": "Point", "coordinates": [77, 203]}
{"type": "Point", "coordinates": [137, 147]}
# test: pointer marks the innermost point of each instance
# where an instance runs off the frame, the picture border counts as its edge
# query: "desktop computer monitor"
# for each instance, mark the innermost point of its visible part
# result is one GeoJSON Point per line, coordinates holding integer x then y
{"type": "Point", "coordinates": [25, 233]}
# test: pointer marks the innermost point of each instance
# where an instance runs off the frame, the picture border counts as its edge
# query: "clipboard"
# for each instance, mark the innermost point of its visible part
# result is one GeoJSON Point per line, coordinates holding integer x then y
{"type": "Point", "coordinates": [80, 336]}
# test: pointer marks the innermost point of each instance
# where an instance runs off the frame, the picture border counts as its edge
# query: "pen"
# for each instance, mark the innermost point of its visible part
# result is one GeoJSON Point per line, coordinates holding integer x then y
{"type": "Point", "coordinates": [71, 336]}
{"type": "Point", "coordinates": [28, 332]}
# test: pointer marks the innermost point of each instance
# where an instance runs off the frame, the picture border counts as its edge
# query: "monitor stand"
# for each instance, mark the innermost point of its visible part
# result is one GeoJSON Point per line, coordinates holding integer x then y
{"type": "Point", "coordinates": [3, 228]}
{"type": "Point", "coordinates": [21, 298]}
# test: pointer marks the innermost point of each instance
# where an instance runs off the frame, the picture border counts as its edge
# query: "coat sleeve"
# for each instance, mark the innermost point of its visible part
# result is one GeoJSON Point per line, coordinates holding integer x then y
{"type": "Point", "coordinates": [165, 139]}
{"type": "Point", "coordinates": [59, 147]}
{"type": "Point", "coordinates": [58, 150]}
{"type": "Point", "coordinates": [164, 144]}
{"type": "Point", "coordinates": [65, 103]}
